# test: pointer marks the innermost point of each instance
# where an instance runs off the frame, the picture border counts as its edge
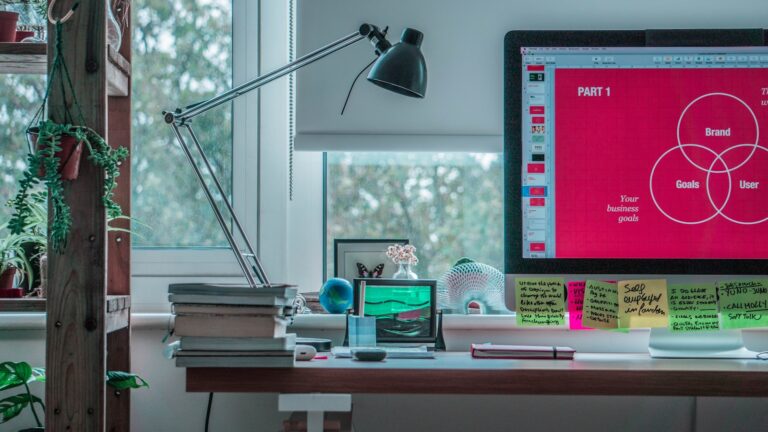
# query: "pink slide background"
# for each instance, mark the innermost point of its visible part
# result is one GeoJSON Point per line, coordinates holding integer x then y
{"type": "Point", "coordinates": [608, 146]}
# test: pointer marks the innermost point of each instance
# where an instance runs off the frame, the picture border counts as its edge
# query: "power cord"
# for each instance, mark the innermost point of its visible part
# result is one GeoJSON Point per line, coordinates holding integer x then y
{"type": "Point", "coordinates": [208, 411]}
{"type": "Point", "coordinates": [349, 93]}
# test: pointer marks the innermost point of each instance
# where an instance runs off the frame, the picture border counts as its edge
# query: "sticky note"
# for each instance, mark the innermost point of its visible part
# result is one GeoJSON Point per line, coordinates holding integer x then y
{"type": "Point", "coordinates": [601, 305]}
{"type": "Point", "coordinates": [744, 304]}
{"type": "Point", "coordinates": [643, 303]}
{"type": "Point", "coordinates": [576, 304]}
{"type": "Point", "coordinates": [540, 301]}
{"type": "Point", "coordinates": [693, 307]}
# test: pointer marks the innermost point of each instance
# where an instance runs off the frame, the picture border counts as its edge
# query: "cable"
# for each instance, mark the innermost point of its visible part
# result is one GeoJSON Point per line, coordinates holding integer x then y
{"type": "Point", "coordinates": [208, 411]}
{"type": "Point", "coordinates": [349, 93]}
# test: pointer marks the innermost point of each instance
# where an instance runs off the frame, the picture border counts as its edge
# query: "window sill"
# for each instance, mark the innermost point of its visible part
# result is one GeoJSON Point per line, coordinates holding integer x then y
{"type": "Point", "coordinates": [159, 321]}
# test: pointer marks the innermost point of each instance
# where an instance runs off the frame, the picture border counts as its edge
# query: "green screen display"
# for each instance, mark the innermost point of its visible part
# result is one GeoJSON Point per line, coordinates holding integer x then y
{"type": "Point", "coordinates": [400, 311]}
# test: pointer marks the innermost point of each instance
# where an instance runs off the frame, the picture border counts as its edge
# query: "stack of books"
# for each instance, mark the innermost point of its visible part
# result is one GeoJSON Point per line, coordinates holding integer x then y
{"type": "Point", "coordinates": [224, 325]}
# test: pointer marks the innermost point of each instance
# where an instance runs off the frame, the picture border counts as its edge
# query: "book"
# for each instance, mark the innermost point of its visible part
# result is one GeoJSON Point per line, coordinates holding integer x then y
{"type": "Point", "coordinates": [490, 351]}
{"type": "Point", "coordinates": [235, 361]}
{"type": "Point", "coordinates": [230, 300]}
{"type": "Point", "coordinates": [219, 309]}
{"type": "Point", "coordinates": [230, 326]}
{"type": "Point", "coordinates": [286, 343]}
{"type": "Point", "coordinates": [282, 353]}
{"type": "Point", "coordinates": [238, 290]}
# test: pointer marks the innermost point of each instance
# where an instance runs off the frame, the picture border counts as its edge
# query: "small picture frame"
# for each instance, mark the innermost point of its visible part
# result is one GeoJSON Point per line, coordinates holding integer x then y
{"type": "Point", "coordinates": [370, 253]}
{"type": "Point", "coordinates": [405, 309]}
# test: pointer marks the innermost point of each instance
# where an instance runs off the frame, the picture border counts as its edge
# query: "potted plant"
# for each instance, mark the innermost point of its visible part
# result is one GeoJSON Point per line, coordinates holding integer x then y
{"type": "Point", "coordinates": [8, 21]}
{"type": "Point", "coordinates": [13, 259]}
{"type": "Point", "coordinates": [13, 375]}
{"type": "Point", "coordinates": [45, 165]}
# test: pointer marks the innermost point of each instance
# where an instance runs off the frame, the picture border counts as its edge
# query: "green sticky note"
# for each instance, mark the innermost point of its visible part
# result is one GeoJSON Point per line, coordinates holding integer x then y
{"type": "Point", "coordinates": [540, 302]}
{"type": "Point", "coordinates": [601, 305]}
{"type": "Point", "coordinates": [744, 304]}
{"type": "Point", "coordinates": [693, 307]}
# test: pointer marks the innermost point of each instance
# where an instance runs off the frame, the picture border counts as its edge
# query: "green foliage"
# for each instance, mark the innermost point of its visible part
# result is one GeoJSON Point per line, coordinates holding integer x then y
{"type": "Point", "coordinates": [14, 375]}
{"type": "Point", "coordinates": [182, 54]}
{"type": "Point", "coordinates": [125, 380]}
{"type": "Point", "coordinates": [448, 205]}
{"type": "Point", "coordinates": [13, 254]}
{"type": "Point", "coordinates": [48, 144]}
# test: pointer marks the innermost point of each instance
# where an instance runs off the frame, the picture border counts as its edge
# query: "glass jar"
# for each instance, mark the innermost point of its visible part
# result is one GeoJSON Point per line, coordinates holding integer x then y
{"type": "Point", "coordinates": [404, 271]}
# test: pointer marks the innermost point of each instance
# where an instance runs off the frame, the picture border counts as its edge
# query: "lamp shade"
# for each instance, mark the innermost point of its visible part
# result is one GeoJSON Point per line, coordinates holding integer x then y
{"type": "Point", "coordinates": [402, 68]}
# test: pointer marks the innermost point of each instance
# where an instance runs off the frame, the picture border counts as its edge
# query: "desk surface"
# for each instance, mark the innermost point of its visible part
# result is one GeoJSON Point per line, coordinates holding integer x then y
{"type": "Point", "coordinates": [458, 373]}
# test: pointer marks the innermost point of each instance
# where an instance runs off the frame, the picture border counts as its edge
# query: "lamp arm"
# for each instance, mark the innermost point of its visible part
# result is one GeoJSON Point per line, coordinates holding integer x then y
{"type": "Point", "coordinates": [182, 115]}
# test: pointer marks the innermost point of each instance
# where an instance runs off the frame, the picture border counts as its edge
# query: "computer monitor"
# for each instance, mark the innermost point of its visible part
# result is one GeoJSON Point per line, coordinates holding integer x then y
{"type": "Point", "coordinates": [626, 158]}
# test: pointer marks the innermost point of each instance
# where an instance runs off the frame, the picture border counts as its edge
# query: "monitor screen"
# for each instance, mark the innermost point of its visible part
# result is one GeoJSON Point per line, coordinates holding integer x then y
{"type": "Point", "coordinates": [644, 153]}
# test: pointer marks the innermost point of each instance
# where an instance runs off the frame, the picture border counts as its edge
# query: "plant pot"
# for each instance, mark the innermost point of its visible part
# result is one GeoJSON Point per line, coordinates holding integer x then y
{"type": "Point", "coordinates": [69, 155]}
{"type": "Point", "coordinates": [8, 21]}
{"type": "Point", "coordinates": [23, 34]}
{"type": "Point", "coordinates": [6, 278]}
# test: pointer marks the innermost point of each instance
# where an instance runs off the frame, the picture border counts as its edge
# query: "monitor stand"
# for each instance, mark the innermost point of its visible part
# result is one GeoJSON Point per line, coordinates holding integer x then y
{"type": "Point", "coordinates": [723, 344]}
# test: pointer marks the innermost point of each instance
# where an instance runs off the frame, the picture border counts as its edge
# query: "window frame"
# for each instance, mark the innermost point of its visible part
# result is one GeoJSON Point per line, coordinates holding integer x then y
{"type": "Point", "coordinates": [219, 261]}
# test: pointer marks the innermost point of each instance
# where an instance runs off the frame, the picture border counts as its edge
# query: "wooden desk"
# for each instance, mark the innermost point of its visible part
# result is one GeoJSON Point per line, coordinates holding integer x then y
{"type": "Point", "coordinates": [458, 373]}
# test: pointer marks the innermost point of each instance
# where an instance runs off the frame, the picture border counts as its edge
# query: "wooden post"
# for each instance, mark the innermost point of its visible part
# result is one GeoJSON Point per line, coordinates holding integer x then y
{"type": "Point", "coordinates": [76, 335]}
{"type": "Point", "coordinates": [119, 246]}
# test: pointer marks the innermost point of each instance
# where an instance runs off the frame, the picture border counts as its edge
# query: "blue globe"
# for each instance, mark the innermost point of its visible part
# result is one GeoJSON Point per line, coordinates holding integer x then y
{"type": "Point", "coordinates": [336, 295]}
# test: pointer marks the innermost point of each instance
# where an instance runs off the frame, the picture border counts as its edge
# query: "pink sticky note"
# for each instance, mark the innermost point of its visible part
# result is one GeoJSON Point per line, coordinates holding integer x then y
{"type": "Point", "coordinates": [576, 304]}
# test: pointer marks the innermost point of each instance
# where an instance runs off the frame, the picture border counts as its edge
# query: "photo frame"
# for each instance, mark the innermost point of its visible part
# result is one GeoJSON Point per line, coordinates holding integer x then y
{"type": "Point", "coordinates": [405, 309]}
{"type": "Point", "coordinates": [368, 252]}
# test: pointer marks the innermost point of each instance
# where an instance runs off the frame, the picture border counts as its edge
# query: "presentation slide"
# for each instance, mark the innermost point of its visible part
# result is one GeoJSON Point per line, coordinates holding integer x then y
{"type": "Point", "coordinates": [661, 163]}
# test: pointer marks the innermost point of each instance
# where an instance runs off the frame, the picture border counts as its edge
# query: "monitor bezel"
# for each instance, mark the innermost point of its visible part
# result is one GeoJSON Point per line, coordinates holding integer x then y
{"type": "Point", "coordinates": [514, 262]}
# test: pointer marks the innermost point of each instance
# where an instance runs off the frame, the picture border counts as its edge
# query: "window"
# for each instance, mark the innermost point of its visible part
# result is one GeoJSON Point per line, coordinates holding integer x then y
{"type": "Point", "coordinates": [182, 55]}
{"type": "Point", "coordinates": [20, 97]}
{"type": "Point", "coordinates": [449, 205]}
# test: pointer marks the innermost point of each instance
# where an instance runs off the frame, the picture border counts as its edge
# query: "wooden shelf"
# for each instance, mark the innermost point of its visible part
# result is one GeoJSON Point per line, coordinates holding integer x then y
{"type": "Point", "coordinates": [22, 305]}
{"type": "Point", "coordinates": [31, 58]}
{"type": "Point", "coordinates": [458, 373]}
{"type": "Point", "coordinates": [23, 58]}
{"type": "Point", "coordinates": [118, 312]}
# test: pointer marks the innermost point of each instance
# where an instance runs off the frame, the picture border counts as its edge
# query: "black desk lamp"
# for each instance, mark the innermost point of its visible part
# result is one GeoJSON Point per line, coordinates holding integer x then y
{"type": "Point", "coordinates": [399, 68]}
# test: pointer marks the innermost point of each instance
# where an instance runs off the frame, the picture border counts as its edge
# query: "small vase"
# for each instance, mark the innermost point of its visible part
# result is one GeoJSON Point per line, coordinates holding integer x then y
{"type": "Point", "coordinates": [404, 271]}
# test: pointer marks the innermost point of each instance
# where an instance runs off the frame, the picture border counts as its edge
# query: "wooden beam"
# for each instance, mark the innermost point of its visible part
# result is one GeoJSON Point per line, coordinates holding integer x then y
{"type": "Point", "coordinates": [76, 328]}
{"type": "Point", "coordinates": [119, 243]}
{"type": "Point", "coordinates": [119, 401]}
{"type": "Point", "coordinates": [22, 305]}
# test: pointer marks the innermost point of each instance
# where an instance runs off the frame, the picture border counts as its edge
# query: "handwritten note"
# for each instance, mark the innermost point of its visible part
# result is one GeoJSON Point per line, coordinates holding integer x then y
{"type": "Point", "coordinates": [693, 307]}
{"type": "Point", "coordinates": [744, 304]}
{"type": "Point", "coordinates": [643, 303]}
{"type": "Point", "coordinates": [576, 304]}
{"type": "Point", "coordinates": [540, 301]}
{"type": "Point", "coordinates": [601, 305]}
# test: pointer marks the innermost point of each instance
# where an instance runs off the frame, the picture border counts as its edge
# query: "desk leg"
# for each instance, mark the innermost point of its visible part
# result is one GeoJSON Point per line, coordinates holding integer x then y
{"type": "Point", "coordinates": [315, 421]}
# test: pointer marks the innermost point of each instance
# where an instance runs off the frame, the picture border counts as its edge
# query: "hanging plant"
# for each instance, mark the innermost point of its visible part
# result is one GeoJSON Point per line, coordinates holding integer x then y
{"type": "Point", "coordinates": [45, 165]}
{"type": "Point", "coordinates": [49, 164]}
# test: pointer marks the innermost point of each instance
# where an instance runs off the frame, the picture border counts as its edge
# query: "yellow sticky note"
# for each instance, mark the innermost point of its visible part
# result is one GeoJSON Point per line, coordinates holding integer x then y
{"type": "Point", "coordinates": [744, 304]}
{"type": "Point", "coordinates": [643, 303]}
{"type": "Point", "coordinates": [540, 301]}
{"type": "Point", "coordinates": [600, 305]}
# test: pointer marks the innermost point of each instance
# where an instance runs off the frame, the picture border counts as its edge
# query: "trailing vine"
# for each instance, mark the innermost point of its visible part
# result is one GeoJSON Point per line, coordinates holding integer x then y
{"type": "Point", "coordinates": [49, 143]}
